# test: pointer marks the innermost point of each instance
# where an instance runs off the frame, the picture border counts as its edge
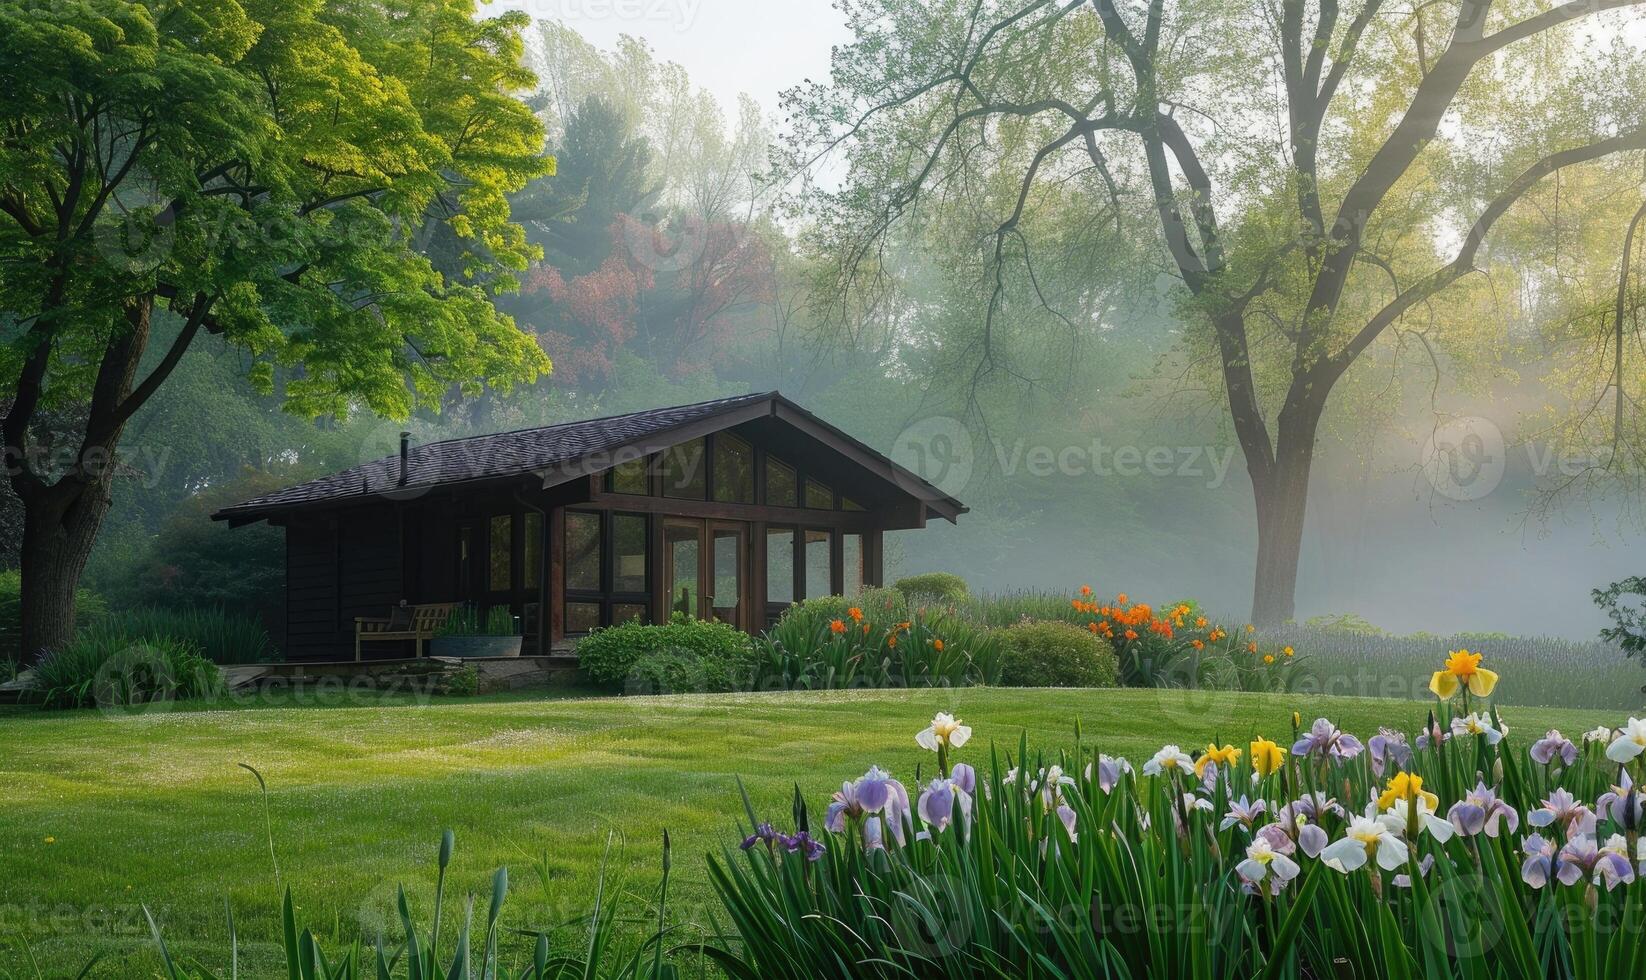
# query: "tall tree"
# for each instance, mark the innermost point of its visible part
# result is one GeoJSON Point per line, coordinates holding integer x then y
{"type": "Point", "coordinates": [1292, 153]}
{"type": "Point", "coordinates": [256, 170]}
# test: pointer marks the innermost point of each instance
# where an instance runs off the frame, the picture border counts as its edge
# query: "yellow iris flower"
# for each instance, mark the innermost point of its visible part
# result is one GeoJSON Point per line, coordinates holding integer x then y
{"type": "Point", "coordinates": [1267, 757]}
{"type": "Point", "coordinates": [1408, 787]}
{"type": "Point", "coordinates": [1227, 755]}
{"type": "Point", "coordinates": [1463, 670]}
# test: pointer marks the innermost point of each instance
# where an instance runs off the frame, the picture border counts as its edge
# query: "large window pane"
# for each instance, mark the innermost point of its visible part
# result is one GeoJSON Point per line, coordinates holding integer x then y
{"type": "Point", "coordinates": [629, 553]}
{"type": "Point", "coordinates": [780, 565]}
{"type": "Point", "coordinates": [817, 564]}
{"type": "Point", "coordinates": [623, 612]}
{"type": "Point", "coordinates": [630, 477]}
{"type": "Point", "coordinates": [531, 550]}
{"type": "Point", "coordinates": [582, 617]}
{"type": "Point", "coordinates": [733, 470]}
{"type": "Point", "coordinates": [582, 552]}
{"type": "Point", "coordinates": [781, 488]}
{"type": "Point", "coordinates": [684, 472]}
{"type": "Point", "coordinates": [818, 496]}
{"type": "Point", "coordinates": [851, 550]}
{"type": "Point", "coordinates": [501, 577]}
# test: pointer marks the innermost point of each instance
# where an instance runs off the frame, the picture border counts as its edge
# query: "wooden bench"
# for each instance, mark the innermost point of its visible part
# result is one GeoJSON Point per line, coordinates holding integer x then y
{"type": "Point", "coordinates": [419, 627]}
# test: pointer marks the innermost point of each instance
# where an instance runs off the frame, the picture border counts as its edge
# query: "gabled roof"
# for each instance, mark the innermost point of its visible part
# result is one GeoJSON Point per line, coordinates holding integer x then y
{"type": "Point", "coordinates": [559, 452]}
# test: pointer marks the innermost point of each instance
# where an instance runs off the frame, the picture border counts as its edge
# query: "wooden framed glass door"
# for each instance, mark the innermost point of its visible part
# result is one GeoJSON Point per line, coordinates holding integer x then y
{"type": "Point", "coordinates": [727, 557]}
{"type": "Point", "coordinates": [704, 565]}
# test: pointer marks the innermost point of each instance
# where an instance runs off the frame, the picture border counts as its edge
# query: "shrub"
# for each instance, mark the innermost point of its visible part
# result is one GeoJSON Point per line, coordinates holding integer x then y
{"type": "Point", "coordinates": [820, 644]}
{"type": "Point", "coordinates": [932, 587]}
{"type": "Point", "coordinates": [220, 636]}
{"type": "Point", "coordinates": [88, 609]}
{"type": "Point", "coordinates": [611, 656]}
{"type": "Point", "coordinates": [103, 668]}
{"type": "Point", "coordinates": [1056, 655]}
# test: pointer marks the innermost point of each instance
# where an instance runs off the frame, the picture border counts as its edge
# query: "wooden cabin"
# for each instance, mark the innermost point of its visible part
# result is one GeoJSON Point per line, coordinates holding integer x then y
{"type": "Point", "coordinates": [730, 509]}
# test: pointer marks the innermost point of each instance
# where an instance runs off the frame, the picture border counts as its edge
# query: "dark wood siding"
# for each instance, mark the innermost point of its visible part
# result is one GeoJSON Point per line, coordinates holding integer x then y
{"type": "Point", "coordinates": [311, 589]}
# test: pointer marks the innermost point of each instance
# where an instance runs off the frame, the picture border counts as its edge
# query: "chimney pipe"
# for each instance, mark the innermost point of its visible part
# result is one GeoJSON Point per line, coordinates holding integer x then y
{"type": "Point", "coordinates": [405, 454]}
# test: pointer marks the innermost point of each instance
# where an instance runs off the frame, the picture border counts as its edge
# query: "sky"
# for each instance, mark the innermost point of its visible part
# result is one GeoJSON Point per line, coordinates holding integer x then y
{"type": "Point", "coordinates": [729, 47]}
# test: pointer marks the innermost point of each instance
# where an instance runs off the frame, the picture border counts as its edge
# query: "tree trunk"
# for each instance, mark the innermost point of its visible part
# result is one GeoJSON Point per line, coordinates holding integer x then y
{"type": "Point", "coordinates": [1282, 497]}
{"type": "Point", "coordinates": [59, 528]}
{"type": "Point", "coordinates": [61, 517]}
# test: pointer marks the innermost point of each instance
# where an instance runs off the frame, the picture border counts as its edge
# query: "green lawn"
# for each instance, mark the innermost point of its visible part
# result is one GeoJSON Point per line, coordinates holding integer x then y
{"type": "Point", "coordinates": [154, 809]}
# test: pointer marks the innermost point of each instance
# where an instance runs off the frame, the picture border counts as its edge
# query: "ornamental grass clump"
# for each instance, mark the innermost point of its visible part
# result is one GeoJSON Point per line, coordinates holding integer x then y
{"type": "Point", "coordinates": [1453, 852]}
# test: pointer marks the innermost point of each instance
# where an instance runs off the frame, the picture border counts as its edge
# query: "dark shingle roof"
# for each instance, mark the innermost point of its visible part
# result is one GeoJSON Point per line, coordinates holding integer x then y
{"type": "Point", "coordinates": [501, 454]}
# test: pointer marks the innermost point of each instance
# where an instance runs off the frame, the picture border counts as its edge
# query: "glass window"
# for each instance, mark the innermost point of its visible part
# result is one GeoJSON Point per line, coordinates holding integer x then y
{"type": "Point", "coordinates": [582, 551]}
{"type": "Point", "coordinates": [630, 477]}
{"type": "Point", "coordinates": [781, 489]}
{"type": "Point", "coordinates": [818, 496]}
{"type": "Point", "coordinates": [628, 553]}
{"type": "Point", "coordinates": [847, 503]}
{"type": "Point", "coordinates": [733, 470]}
{"type": "Point", "coordinates": [501, 577]}
{"type": "Point", "coordinates": [682, 556]}
{"type": "Point", "coordinates": [623, 612]}
{"type": "Point", "coordinates": [851, 551]}
{"type": "Point", "coordinates": [817, 564]}
{"type": "Point", "coordinates": [581, 617]}
{"type": "Point", "coordinates": [780, 565]}
{"type": "Point", "coordinates": [531, 550]}
{"type": "Point", "coordinates": [684, 473]}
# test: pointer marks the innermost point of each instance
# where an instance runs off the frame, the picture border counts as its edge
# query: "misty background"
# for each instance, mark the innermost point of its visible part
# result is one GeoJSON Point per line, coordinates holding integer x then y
{"type": "Point", "coordinates": [676, 269]}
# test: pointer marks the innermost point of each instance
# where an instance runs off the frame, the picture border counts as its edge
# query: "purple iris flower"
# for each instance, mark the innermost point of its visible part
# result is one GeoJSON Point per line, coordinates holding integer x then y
{"type": "Point", "coordinates": [1404, 880]}
{"type": "Point", "coordinates": [1541, 861]}
{"type": "Point", "coordinates": [937, 804]}
{"type": "Point", "coordinates": [1434, 736]}
{"type": "Point", "coordinates": [1300, 820]}
{"type": "Point", "coordinates": [1244, 812]}
{"type": "Point", "coordinates": [1481, 811]}
{"type": "Point", "coordinates": [964, 778]}
{"type": "Point", "coordinates": [1109, 770]}
{"type": "Point", "coordinates": [1582, 859]}
{"type": "Point", "coordinates": [1551, 746]}
{"type": "Point", "coordinates": [1327, 739]}
{"type": "Point", "coordinates": [874, 795]}
{"type": "Point", "coordinates": [1624, 804]}
{"type": "Point", "coordinates": [1389, 746]}
{"type": "Point", "coordinates": [802, 843]}
{"type": "Point", "coordinates": [763, 834]}
{"type": "Point", "coordinates": [1563, 808]}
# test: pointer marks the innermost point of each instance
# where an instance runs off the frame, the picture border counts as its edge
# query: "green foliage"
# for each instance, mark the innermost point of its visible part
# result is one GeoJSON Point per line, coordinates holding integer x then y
{"type": "Point", "coordinates": [820, 644]}
{"type": "Point", "coordinates": [933, 587]}
{"type": "Point", "coordinates": [191, 560]}
{"type": "Point", "coordinates": [104, 668]}
{"type": "Point", "coordinates": [682, 650]}
{"type": "Point", "coordinates": [329, 131]}
{"type": "Point", "coordinates": [1056, 655]}
{"type": "Point", "coordinates": [1343, 623]}
{"type": "Point", "coordinates": [1624, 603]}
{"type": "Point", "coordinates": [418, 955]}
{"type": "Point", "coordinates": [220, 636]}
{"type": "Point", "coordinates": [989, 894]}
{"type": "Point", "coordinates": [464, 683]}
{"type": "Point", "coordinates": [468, 620]}
{"type": "Point", "coordinates": [89, 609]}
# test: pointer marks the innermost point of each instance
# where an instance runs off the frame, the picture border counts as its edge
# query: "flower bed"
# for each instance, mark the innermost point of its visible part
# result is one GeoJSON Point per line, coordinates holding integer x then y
{"type": "Point", "coordinates": [1451, 853]}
